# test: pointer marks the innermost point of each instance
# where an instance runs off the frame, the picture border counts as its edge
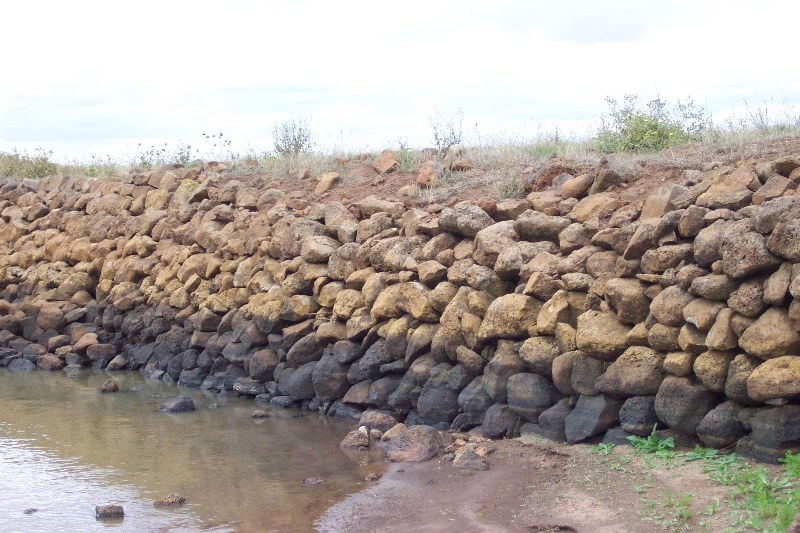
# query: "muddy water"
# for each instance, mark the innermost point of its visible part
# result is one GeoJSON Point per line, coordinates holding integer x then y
{"type": "Point", "coordinates": [65, 447]}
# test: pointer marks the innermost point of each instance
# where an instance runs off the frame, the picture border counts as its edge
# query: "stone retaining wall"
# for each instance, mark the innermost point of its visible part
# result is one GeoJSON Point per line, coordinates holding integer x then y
{"type": "Point", "coordinates": [569, 314]}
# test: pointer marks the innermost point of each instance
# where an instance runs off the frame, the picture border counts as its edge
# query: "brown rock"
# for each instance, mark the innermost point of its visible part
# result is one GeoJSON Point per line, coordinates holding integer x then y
{"type": "Point", "coordinates": [776, 378]}
{"type": "Point", "coordinates": [601, 335]}
{"type": "Point", "coordinates": [712, 369]}
{"type": "Point", "coordinates": [386, 162]}
{"type": "Point", "coordinates": [702, 313]}
{"type": "Point", "coordinates": [429, 174]}
{"type": "Point", "coordinates": [721, 336]}
{"type": "Point", "coordinates": [510, 316]}
{"type": "Point", "coordinates": [679, 363]}
{"type": "Point", "coordinates": [771, 335]}
{"type": "Point", "coordinates": [414, 444]}
{"type": "Point", "coordinates": [637, 372]}
{"type": "Point", "coordinates": [668, 306]}
{"type": "Point", "coordinates": [627, 297]}
{"type": "Point", "coordinates": [326, 182]}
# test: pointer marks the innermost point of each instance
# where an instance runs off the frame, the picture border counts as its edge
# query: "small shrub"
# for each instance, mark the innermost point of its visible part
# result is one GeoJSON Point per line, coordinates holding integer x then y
{"type": "Point", "coordinates": [292, 137]}
{"type": "Point", "coordinates": [631, 128]}
{"type": "Point", "coordinates": [447, 131]}
{"type": "Point", "coordinates": [25, 165]}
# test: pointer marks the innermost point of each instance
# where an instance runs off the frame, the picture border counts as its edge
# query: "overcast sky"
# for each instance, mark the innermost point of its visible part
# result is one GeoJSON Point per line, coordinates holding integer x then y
{"type": "Point", "coordinates": [86, 77]}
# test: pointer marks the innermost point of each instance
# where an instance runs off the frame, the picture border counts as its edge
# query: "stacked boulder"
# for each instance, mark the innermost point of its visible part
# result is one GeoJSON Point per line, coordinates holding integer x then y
{"type": "Point", "coordinates": [571, 314]}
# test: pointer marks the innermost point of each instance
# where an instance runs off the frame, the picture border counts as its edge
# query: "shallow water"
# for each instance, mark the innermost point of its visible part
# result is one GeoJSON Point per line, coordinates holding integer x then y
{"type": "Point", "coordinates": [65, 447]}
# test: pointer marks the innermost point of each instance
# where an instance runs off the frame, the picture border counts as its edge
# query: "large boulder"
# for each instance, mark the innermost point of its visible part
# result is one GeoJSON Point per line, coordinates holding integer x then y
{"type": "Point", "coordinates": [592, 415]}
{"type": "Point", "coordinates": [414, 444]}
{"type": "Point", "coordinates": [774, 432]}
{"type": "Point", "coordinates": [627, 297]}
{"type": "Point", "coordinates": [637, 372]}
{"type": "Point", "coordinates": [601, 335]}
{"type": "Point", "coordinates": [638, 415]}
{"type": "Point", "coordinates": [771, 335]}
{"type": "Point", "coordinates": [510, 317]}
{"type": "Point", "coordinates": [721, 427]}
{"type": "Point", "coordinates": [502, 366]}
{"type": "Point", "coordinates": [775, 378]}
{"type": "Point", "coordinates": [681, 403]}
{"type": "Point", "coordinates": [465, 219]}
{"type": "Point", "coordinates": [529, 395]}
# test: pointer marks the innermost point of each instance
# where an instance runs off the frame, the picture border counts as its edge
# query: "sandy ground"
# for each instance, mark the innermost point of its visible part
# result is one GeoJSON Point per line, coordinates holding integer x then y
{"type": "Point", "coordinates": [542, 486]}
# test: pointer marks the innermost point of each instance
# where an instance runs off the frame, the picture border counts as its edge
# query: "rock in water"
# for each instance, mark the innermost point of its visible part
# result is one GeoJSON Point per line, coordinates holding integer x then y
{"type": "Point", "coordinates": [109, 511]}
{"type": "Point", "coordinates": [171, 500]}
{"type": "Point", "coordinates": [180, 404]}
{"type": "Point", "coordinates": [313, 481]}
{"type": "Point", "coordinates": [109, 386]}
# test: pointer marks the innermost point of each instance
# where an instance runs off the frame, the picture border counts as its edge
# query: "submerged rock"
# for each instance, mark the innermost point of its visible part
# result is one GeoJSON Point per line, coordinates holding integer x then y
{"type": "Point", "coordinates": [181, 404]}
{"type": "Point", "coordinates": [109, 511]}
{"type": "Point", "coordinates": [109, 386]}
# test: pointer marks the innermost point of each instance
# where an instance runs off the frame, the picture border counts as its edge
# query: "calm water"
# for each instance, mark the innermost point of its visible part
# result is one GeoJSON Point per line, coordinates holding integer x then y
{"type": "Point", "coordinates": [65, 447]}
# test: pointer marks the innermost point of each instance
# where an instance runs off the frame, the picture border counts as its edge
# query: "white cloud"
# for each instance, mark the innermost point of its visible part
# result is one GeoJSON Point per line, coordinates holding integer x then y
{"type": "Point", "coordinates": [88, 73]}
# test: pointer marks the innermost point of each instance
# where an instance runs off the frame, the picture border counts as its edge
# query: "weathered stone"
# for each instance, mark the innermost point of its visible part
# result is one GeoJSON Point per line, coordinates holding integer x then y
{"type": "Point", "coordinates": [637, 372]}
{"type": "Point", "coordinates": [386, 162]}
{"type": "Point", "coordinates": [510, 316]}
{"type": "Point", "coordinates": [491, 241]}
{"type": "Point", "coordinates": [638, 415]}
{"type": "Point", "coordinates": [774, 432]}
{"type": "Point", "coordinates": [592, 415]}
{"type": "Point", "coordinates": [668, 306]}
{"type": "Point", "coordinates": [305, 350]}
{"type": "Point", "coordinates": [745, 255]}
{"type": "Point", "coordinates": [784, 241]}
{"type": "Point", "coordinates": [682, 403]}
{"type": "Point", "coordinates": [721, 428]}
{"type": "Point", "coordinates": [739, 371]}
{"type": "Point", "coordinates": [691, 339]}
{"type": "Point", "coordinates": [437, 404]}
{"type": "Point", "coordinates": [414, 444]}
{"type": "Point", "coordinates": [711, 368]}
{"type": "Point", "coordinates": [179, 404]}
{"type": "Point", "coordinates": [552, 422]}
{"type": "Point", "coordinates": [661, 337]}
{"type": "Point", "coordinates": [500, 421]}
{"type": "Point", "coordinates": [503, 365]}
{"type": "Point", "coordinates": [601, 335]}
{"type": "Point", "coordinates": [776, 286]}
{"type": "Point", "coordinates": [679, 363]}
{"type": "Point", "coordinates": [771, 335]}
{"type": "Point", "coordinates": [529, 395]}
{"type": "Point", "coordinates": [401, 298]}
{"type": "Point", "coordinates": [534, 226]}
{"type": "Point", "coordinates": [776, 378]}
{"type": "Point", "coordinates": [539, 353]}
{"type": "Point", "coordinates": [586, 370]}
{"type": "Point", "coordinates": [627, 297]}
{"type": "Point", "coordinates": [702, 313]}
{"type": "Point", "coordinates": [465, 219]}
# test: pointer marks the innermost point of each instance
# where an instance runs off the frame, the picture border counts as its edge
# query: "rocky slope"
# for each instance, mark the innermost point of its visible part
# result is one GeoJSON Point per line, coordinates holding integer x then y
{"type": "Point", "coordinates": [570, 314]}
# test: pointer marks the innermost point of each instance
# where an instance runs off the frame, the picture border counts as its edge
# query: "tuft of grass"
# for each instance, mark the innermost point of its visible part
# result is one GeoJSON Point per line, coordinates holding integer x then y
{"type": "Point", "coordinates": [291, 138]}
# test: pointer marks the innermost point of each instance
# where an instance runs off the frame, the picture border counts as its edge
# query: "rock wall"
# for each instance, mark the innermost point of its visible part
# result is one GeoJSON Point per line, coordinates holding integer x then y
{"type": "Point", "coordinates": [569, 314]}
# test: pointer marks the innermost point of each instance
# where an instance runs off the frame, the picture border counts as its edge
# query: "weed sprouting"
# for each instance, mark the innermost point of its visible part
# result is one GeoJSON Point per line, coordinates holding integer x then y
{"type": "Point", "coordinates": [447, 131]}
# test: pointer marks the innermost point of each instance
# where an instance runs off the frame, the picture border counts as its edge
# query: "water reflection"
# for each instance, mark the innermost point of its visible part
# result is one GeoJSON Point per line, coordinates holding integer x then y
{"type": "Point", "coordinates": [65, 447]}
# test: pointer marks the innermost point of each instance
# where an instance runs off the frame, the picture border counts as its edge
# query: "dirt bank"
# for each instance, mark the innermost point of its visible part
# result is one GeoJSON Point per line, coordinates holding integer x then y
{"type": "Point", "coordinates": [542, 486]}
